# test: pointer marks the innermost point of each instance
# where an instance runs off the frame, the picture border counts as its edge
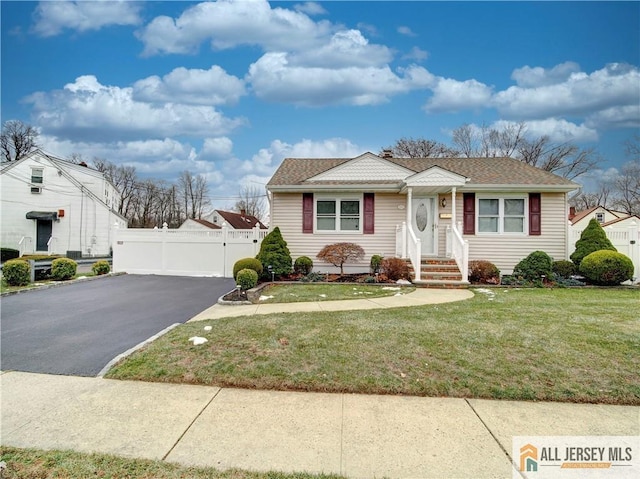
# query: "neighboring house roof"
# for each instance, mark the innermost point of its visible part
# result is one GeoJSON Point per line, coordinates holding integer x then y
{"type": "Point", "coordinates": [618, 220]}
{"type": "Point", "coordinates": [480, 172]}
{"type": "Point", "coordinates": [580, 215]}
{"type": "Point", "coordinates": [206, 223]}
{"type": "Point", "coordinates": [241, 221]}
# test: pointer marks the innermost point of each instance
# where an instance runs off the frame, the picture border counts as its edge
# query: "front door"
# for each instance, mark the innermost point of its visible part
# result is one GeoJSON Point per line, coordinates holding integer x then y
{"type": "Point", "coordinates": [424, 223]}
{"type": "Point", "coordinates": [43, 233]}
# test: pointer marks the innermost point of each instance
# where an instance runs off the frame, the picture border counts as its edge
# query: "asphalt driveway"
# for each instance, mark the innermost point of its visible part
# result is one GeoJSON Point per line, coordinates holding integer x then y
{"type": "Point", "coordinates": [76, 329]}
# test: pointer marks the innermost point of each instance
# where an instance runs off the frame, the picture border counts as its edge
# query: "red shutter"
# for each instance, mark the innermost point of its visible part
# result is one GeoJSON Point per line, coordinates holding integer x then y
{"type": "Point", "coordinates": [535, 214]}
{"type": "Point", "coordinates": [469, 210]}
{"type": "Point", "coordinates": [307, 212]}
{"type": "Point", "coordinates": [369, 214]}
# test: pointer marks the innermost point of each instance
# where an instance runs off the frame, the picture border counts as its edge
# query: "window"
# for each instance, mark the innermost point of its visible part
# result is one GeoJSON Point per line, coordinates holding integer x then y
{"type": "Point", "coordinates": [338, 215]}
{"type": "Point", "coordinates": [37, 175]}
{"type": "Point", "coordinates": [600, 217]}
{"type": "Point", "coordinates": [501, 215]}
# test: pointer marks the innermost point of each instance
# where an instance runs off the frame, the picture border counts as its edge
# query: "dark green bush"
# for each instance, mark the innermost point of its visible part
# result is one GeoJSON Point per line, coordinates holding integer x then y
{"type": "Point", "coordinates": [483, 272]}
{"type": "Point", "coordinates": [275, 253]}
{"type": "Point", "coordinates": [606, 268]}
{"type": "Point", "coordinates": [16, 272]}
{"type": "Point", "coordinates": [247, 263]}
{"type": "Point", "coordinates": [247, 279]}
{"type": "Point", "coordinates": [8, 253]}
{"type": "Point", "coordinates": [564, 269]}
{"type": "Point", "coordinates": [303, 265]}
{"type": "Point", "coordinates": [101, 267]}
{"type": "Point", "coordinates": [593, 238]}
{"type": "Point", "coordinates": [535, 266]}
{"type": "Point", "coordinates": [374, 264]}
{"type": "Point", "coordinates": [63, 269]}
{"type": "Point", "coordinates": [313, 277]}
{"type": "Point", "coordinates": [395, 268]}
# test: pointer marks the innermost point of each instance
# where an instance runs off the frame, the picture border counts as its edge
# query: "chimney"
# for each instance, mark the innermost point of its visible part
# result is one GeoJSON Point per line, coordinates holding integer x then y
{"type": "Point", "coordinates": [572, 212]}
{"type": "Point", "coordinates": [82, 163]}
{"type": "Point", "coordinates": [243, 212]}
{"type": "Point", "coordinates": [387, 153]}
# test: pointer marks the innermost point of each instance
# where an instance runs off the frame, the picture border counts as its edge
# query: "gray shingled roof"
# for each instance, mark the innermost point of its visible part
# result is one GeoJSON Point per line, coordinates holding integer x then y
{"type": "Point", "coordinates": [480, 171]}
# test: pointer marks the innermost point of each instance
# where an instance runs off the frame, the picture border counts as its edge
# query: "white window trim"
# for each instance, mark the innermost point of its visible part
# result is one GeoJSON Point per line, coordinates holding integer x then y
{"type": "Point", "coordinates": [338, 199]}
{"type": "Point", "coordinates": [39, 169]}
{"type": "Point", "coordinates": [501, 198]}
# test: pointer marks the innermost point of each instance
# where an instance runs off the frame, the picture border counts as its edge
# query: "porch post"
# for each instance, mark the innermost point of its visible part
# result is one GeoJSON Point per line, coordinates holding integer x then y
{"type": "Point", "coordinates": [409, 201]}
{"type": "Point", "coordinates": [453, 205]}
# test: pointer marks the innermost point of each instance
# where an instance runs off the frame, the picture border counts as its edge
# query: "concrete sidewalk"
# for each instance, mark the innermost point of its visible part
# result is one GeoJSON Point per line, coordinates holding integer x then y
{"type": "Point", "coordinates": [358, 436]}
{"type": "Point", "coordinates": [419, 297]}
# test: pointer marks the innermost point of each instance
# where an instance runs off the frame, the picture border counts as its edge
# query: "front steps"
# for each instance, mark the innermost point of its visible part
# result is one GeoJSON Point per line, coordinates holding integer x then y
{"type": "Point", "coordinates": [438, 273]}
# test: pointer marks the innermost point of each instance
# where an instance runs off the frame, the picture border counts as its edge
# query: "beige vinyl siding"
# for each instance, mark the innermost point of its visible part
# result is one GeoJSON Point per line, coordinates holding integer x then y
{"type": "Point", "coordinates": [287, 215]}
{"type": "Point", "coordinates": [505, 251]}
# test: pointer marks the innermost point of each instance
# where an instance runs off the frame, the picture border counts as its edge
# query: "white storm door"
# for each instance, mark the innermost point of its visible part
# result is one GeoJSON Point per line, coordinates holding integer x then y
{"type": "Point", "coordinates": [424, 223]}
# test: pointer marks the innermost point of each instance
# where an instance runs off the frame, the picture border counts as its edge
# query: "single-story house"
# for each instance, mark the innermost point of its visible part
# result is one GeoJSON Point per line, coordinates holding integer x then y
{"type": "Point", "coordinates": [198, 224]}
{"type": "Point", "coordinates": [233, 220]}
{"type": "Point", "coordinates": [495, 209]}
{"type": "Point", "coordinates": [580, 219]}
{"type": "Point", "coordinates": [50, 205]}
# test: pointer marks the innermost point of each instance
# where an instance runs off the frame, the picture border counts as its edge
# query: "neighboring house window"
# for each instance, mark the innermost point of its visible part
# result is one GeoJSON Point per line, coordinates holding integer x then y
{"type": "Point", "coordinates": [338, 214]}
{"type": "Point", "coordinates": [501, 215]}
{"type": "Point", "coordinates": [37, 175]}
{"type": "Point", "coordinates": [600, 217]}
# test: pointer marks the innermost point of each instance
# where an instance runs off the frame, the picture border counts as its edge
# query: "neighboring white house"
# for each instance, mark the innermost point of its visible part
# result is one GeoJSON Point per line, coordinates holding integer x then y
{"type": "Point", "coordinates": [50, 205]}
{"type": "Point", "coordinates": [198, 224]}
{"type": "Point", "coordinates": [580, 219]}
{"type": "Point", "coordinates": [233, 220]}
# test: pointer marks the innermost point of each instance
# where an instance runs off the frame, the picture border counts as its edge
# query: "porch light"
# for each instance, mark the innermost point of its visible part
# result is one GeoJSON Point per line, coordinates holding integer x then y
{"type": "Point", "coordinates": [443, 202]}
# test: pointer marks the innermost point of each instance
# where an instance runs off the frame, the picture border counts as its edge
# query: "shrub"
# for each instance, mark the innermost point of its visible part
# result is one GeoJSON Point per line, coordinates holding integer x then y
{"type": "Point", "coordinates": [275, 253]}
{"type": "Point", "coordinates": [303, 265]}
{"type": "Point", "coordinates": [16, 272]}
{"type": "Point", "coordinates": [563, 269]}
{"type": "Point", "coordinates": [534, 266]}
{"type": "Point", "coordinates": [63, 269]}
{"type": "Point", "coordinates": [395, 268]}
{"type": "Point", "coordinates": [593, 238]}
{"type": "Point", "coordinates": [374, 264]}
{"type": "Point", "coordinates": [369, 279]}
{"type": "Point", "coordinates": [8, 253]}
{"type": "Point", "coordinates": [483, 272]}
{"type": "Point", "coordinates": [100, 267]}
{"type": "Point", "coordinates": [247, 263]}
{"type": "Point", "coordinates": [247, 279]}
{"type": "Point", "coordinates": [340, 253]}
{"type": "Point", "coordinates": [313, 278]}
{"type": "Point", "coordinates": [606, 268]}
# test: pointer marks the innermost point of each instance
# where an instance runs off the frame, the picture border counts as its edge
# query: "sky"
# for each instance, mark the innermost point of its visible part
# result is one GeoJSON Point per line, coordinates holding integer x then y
{"type": "Point", "coordinates": [228, 89]}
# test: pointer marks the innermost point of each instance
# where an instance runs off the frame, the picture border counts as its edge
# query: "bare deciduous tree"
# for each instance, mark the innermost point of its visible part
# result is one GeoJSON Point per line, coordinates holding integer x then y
{"type": "Point", "coordinates": [194, 190]}
{"type": "Point", "coordinates": [252, 201]}
{"type": "Point", "coordinates": [125, 179]}
{"type": "Point", "coordinates": [421, 148]}
{"type": "Point", "coordinates": [17, 140]}
{"type": "Point", "coordinates": [627, 186]}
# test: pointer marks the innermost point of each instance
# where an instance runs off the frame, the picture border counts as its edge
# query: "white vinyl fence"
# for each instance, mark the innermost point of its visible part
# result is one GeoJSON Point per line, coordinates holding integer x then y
{"type": "Point", "coordinates": [625, 240]}
{"type": "Point", "coordinates": [181, 252]}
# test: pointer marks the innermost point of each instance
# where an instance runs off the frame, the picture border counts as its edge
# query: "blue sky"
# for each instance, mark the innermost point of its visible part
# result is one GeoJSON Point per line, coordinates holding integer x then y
{"type": "Point", "coordinates": [228, 89]}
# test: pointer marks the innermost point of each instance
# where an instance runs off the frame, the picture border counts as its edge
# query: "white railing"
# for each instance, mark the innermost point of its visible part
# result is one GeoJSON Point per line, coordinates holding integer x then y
{"type": "Point", "coordinates": [50, 245]}
{"type": "Point", "coordinates": [458, 249]}
{"type": "Point", "coordinates": [414, 250]}
{"type": "Point", "coordinates": [23, 245]}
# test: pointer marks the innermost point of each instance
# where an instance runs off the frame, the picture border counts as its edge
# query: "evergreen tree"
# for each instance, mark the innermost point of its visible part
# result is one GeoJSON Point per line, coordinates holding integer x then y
{"type": "Point", "coordinates": [593, 238]}
{"type": "Point", "coordinates": [275, 253]}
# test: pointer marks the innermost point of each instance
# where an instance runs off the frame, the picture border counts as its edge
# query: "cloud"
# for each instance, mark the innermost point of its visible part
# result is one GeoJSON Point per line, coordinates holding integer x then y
{"type": "Point", "coordinates": [557, 129]}
{"type": "Point", "coordinates": [273, 78]}
{"type": "Point", "coordinates": [416, 54]}
{"type": "Point", "coordinates": [228, 24]}
{"type": "Point", "coordinates": [89, 110]}
{"type": "Point", "coordinates": [310, 8]}
{"type": "Point", "coordinates": [627, 116]}
{"type": "Point", "coordinates": [191, 86]}
{"type": "Point", "coordinates": [614, 85]}
{"type": "Point", "coordinates": [528, 77]}
{"type": "Point", "coordinates": [404, 30]}
{"type": "Point", "coordinates": [51, 18]}
{"type": "Point", "coordinates": [453, 95]}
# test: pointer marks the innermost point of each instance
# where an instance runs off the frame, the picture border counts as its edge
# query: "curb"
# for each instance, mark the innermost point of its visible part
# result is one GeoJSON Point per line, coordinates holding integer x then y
{"type": "Point", "coordinates": [59, 284]}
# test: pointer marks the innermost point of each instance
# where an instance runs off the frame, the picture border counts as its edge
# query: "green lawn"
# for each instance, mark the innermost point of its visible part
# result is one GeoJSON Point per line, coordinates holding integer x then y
{"type": "Point", "coordinates": [32, 463]}
{"type": "Point", "coordinates": [4, 288]}
{"type": "Point", "coordinates": [575, 345]}
{"type": "Point", "coordinates": [300, 292]}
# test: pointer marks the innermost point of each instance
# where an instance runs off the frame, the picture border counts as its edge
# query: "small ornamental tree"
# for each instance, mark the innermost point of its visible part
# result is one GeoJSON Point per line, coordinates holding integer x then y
{"type": "Point", "coordinates": [275, 253]}
{"type": "Point", "coordinates": [340, 253]}
{"type": "Point", "coordinates": [593, 238]}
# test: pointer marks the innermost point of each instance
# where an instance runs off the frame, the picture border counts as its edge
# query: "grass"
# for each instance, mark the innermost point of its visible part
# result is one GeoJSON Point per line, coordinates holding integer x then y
{"type": "Point", "coordinates": [5, 288]}
{"type": "Point", "coordinates": [574, 345]}
{"type": "Point", "coordinates": [299, 292]}
{"type": "Point", "coordinates": [32, 464]}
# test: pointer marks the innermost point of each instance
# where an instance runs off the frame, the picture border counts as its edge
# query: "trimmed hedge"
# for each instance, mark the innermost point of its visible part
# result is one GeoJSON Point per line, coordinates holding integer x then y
{"type": "Point", "coordinates": [564, 269]}
{"type": "Point", "coordinates": [247, 279]}
{"type": "Point", "coordinates": [63, 269]}
{"type": "Point", "coordinates": [16, 272]}
{"type": "Point", "coordinates": [534, 266]}
{"type": "Point", "coordinates": [303, 265]}
{"type": "Point", "coordinates": [101, 267]}
{"type": "Point", "coordinates": [606, 268]}
{"type": "Point", "coordinates": [247, 263]}
{"type": "Point", "coordinates": [483, 272]}
{"type": "Point", "coordinates": [8, 253]}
